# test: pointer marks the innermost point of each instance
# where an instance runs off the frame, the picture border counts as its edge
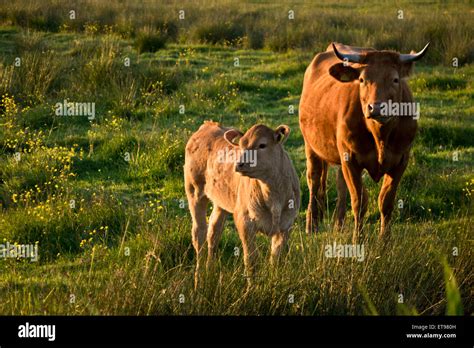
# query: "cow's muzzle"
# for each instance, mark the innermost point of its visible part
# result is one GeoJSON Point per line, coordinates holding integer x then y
{"type": "Point", "coordinates": [373, 110]}
{"type": "Point", "coordinates": [240, 166]}
{"type": "Point", "coordinates": [375, 113]}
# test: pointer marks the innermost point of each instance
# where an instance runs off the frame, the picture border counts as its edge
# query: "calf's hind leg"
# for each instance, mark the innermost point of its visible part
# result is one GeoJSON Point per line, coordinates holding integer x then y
{"type": "Point", "coordinates": [214, 232]}
{"type": "Point", "coordinates": [197, 206]}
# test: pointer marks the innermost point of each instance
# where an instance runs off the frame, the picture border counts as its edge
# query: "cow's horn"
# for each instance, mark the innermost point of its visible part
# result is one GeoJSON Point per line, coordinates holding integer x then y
{"type": "Point", "coordinates": [353, 58]}
{"type": "Point", "coordinates": [407, 58]}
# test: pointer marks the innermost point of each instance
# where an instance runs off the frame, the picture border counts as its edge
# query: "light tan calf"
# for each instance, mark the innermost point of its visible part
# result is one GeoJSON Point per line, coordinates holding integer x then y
{"type": "Point", "coordinates": [253, 179]}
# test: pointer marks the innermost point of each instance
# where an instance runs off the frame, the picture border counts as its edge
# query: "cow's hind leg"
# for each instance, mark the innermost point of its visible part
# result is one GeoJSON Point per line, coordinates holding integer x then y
{"type": "Point", "coordinates": [214, 232]}
{"type": "Point", "coordinates": [197, 206]}
{"type": "Point", "coordinates": [316, 173]}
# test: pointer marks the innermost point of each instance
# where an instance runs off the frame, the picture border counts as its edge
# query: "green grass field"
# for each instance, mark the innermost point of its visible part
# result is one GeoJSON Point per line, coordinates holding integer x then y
{"type": "Point", "coordinates": [104, 198]}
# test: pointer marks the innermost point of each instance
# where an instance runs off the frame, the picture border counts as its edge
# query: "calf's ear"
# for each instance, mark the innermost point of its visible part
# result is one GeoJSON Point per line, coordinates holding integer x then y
{"type": "Point", "coordinates": [281, 133]}
{"type": "Point", "coordinates": [343, 73]}
{"type": "Point", "coordinates": [231, 136]}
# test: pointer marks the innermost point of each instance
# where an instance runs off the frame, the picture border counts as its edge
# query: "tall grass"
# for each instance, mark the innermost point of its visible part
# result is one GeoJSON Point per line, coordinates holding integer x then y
{"type": "Point", "coordinates": [382, 25]}
{"type": "Point", "coordinates": [104, 198]}
{"type": "Point", "coordinates": [158, 272]}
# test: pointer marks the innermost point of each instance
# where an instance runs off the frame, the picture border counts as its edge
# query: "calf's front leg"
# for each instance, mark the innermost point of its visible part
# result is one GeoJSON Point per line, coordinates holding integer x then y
{"type": "Point", "coordinates": [247, 233]}
{"type": "Point", "coordinates": [279, 241]}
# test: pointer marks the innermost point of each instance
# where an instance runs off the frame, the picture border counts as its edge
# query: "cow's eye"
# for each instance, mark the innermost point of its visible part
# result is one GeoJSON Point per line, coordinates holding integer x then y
{"type": "Point", "coordinates": [361, 80]}
{"type": "Point", "coordinates": [262, 146]}
{"type": "Point", "coordinates": [395, 80]}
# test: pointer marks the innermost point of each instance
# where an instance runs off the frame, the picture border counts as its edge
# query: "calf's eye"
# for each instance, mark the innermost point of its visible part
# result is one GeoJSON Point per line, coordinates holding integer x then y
{"type": "Point", "coordinates": [395, 80]}
{"type": "Point", "coordinates": [262, 146]}
{"type": "Point", "coordinates": [361, 80]}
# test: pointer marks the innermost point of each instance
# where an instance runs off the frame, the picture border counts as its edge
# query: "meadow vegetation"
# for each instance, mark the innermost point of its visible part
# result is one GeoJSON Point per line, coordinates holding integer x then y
{"type": "Point", "coordinates": [103, 198]}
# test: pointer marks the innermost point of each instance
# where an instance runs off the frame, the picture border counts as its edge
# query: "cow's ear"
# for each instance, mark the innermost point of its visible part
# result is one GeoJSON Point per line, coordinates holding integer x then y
{"type": "Point", "coordinates": [281, 133]}
{"type": "Point", "coordinates": [407, 61]}
{"type": "Point", "coordinates": [231, 135]}
{"type": "Point", "coordinates": [407, 68]}
{"type": "Point", "coordinates": [344, 73]}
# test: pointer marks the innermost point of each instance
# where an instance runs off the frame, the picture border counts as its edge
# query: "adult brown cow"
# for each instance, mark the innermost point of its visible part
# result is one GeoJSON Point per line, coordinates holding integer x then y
{"type": "Point", "coordinates": [343, 119]}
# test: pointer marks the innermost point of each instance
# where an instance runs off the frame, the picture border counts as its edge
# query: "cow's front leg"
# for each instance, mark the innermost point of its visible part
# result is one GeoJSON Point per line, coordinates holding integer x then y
{"type": "Point", "coordinates": [341, 200]}
{"type": "Point", "coordinates": [387, 194]}
{"type": "Point", "coordinates": [353, 176]}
